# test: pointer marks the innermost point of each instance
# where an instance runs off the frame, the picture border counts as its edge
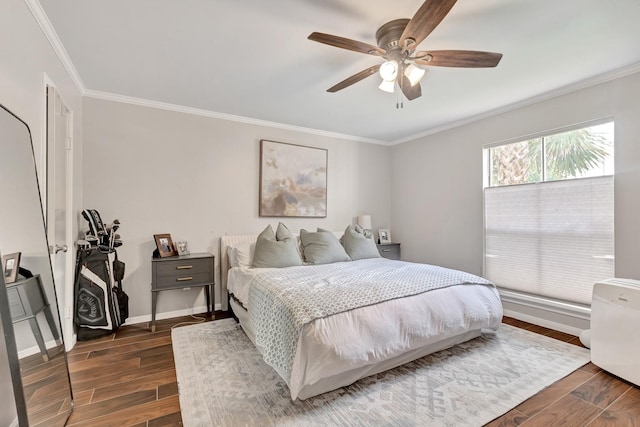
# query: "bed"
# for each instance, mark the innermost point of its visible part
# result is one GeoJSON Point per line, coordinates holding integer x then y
{"type": "Point", "coordinates": [322, 327]}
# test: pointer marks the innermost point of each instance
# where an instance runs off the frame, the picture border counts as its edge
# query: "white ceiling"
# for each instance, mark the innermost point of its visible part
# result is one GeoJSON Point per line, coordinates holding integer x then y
{"type": "Point", "coordinates": [252, 59]}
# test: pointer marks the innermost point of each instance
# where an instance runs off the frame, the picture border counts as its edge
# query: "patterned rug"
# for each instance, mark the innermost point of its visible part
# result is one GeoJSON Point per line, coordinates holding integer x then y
{"type": "Point", "coordinates": [223, 381]}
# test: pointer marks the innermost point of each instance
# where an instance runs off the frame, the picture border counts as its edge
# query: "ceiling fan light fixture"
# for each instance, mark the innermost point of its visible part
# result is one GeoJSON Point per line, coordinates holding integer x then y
{"type": "Point", "coordinates": [389, 70]}
{"type": "Point", "coordinates": [387, 85]}
{"type": "Point", "coordinates": [414, 74]}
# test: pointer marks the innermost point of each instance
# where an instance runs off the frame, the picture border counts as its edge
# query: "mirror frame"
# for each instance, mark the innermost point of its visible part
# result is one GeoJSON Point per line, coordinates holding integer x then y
{"type": "Point", "coordinates": [7, 322]}
{"type": "Point", "coordinates": [12, 353]}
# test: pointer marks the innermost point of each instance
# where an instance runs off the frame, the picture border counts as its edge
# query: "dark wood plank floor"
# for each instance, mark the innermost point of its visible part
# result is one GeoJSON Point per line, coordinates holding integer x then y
{"type": "Point", "coordinates": [129, 379]}
{"type": "Point", "coordinates": [46, 388]}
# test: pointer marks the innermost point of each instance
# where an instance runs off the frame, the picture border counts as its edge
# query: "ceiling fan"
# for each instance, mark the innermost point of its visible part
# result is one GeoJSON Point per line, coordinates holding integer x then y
{"type": "Point", "coordinates": [397, 42]}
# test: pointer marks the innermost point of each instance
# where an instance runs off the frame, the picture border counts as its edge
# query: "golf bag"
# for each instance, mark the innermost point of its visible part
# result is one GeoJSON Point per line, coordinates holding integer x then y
{"type": "Point", "coordinates": [101, 306]}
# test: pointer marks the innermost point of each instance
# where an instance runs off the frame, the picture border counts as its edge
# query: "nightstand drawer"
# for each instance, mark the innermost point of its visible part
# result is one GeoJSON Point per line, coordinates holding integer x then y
{"type": "Point", "coordinates": [390, 250]}
{"type": "Point", "coordinates": [15, 304]}
{"type": "Point", "coordinates": [183, 267]}
{"type": "Point", "coordinates": [26, 298]}
{"type": "Point", "coordinates": [183, 280]}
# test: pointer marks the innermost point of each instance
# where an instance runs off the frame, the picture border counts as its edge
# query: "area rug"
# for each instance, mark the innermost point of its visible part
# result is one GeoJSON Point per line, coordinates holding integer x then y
{"type": "Point", "coordinates": [223, 381]}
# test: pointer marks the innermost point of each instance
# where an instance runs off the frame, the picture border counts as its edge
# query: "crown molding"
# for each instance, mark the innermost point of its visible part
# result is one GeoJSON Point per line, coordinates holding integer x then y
{"type": "Point", "coordinates": [224, 116]}
{"type": "Point", "coordinates": [574, 87]}
{"type": "Point", "coordinates": [45, 25]}
{"type": "Point", "coordinates": [602, 78]}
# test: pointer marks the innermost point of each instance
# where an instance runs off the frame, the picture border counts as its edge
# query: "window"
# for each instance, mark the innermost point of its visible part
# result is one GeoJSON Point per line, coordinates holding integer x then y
{"type": "Point", "coordinates": [549, 213]}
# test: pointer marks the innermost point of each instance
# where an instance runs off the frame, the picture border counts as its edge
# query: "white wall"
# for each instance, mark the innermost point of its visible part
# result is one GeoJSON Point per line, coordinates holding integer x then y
{"type": "Point", "coordinates": [197, 178]}
{"type": "Point", "coordinates": [437, 210]}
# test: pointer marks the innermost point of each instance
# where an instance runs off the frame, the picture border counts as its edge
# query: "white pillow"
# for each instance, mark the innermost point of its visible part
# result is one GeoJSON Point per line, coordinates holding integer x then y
{"type": "Point", "coordinates": [241, 254]}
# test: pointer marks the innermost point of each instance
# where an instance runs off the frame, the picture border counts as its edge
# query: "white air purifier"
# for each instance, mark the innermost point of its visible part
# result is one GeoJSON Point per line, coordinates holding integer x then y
{"type": "Point", "coordinates": [615, 328]}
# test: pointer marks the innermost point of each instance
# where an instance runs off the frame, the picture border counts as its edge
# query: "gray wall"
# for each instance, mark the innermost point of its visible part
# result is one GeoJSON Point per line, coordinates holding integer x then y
{"type": "Point", "coordinates": [197, 178]}
{"type": "Point", "coordinates": [436, 192]}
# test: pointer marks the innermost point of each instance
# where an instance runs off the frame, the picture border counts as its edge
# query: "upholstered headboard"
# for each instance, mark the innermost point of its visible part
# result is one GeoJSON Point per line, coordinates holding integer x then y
{"type": "Point", "coordinates": [225, 242]}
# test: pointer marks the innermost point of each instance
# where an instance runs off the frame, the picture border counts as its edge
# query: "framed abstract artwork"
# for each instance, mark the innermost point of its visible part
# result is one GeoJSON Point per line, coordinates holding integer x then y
{"type": "Point", "coordinates": [293, 180]}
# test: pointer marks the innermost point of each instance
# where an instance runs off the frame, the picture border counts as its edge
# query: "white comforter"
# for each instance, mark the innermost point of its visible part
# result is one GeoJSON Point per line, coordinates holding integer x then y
{"type": "Point", "coordinates": [329, 348]}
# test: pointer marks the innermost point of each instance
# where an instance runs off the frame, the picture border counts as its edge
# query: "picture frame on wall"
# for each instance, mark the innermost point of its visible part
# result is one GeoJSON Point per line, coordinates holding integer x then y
{"type": "Point", "coordinates": [11, 267]}
{"type": "Point", "coordinates": [293, 180]}
{"type": "Point", "coordinates": [165, 245]}
{"type": "Point", "coordinates": [384, 236]}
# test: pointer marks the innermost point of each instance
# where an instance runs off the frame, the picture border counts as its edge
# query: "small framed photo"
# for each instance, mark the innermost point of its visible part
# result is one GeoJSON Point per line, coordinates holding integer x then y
{"type": "Point", "coordinates": [165, 245]}
{"type": "Point", "coordinates": [183, 248]}
{"type": "Point", "coordinates": [384, 235]}
{"type": "Point", "coordinates": [11, 266]}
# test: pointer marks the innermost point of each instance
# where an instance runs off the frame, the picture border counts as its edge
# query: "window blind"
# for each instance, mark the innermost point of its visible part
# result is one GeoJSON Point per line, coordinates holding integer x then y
{"type": "Point", "coordinates": [554, 239]}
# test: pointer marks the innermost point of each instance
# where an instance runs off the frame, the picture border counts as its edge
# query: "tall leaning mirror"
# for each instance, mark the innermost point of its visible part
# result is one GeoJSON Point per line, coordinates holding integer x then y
{"type": "Point", "coordinates": [35, 389]}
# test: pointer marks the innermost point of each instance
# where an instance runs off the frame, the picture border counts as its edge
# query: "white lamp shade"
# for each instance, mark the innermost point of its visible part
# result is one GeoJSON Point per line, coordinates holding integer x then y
{"type": "Point", "coordinates": [414, 74]}
{"type": "Point", "coordinates": [387, 86]}
{"type": "Point", "coordinates": [364, 221]}
{"type": "Point", "coordinates": [389, 70]}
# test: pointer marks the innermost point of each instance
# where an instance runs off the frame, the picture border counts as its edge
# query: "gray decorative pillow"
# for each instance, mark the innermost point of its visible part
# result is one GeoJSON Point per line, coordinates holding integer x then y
{"type": "Point", "coordinates": [322, 247]}
{"type": "Point", "coordinates": [358, 245]}
{"type": "Point", "coordinates": [276, 250]}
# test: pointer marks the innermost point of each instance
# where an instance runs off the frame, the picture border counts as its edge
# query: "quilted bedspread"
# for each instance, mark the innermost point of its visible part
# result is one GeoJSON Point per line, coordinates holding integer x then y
{"type": "Point", "coordinates": [282, 301]}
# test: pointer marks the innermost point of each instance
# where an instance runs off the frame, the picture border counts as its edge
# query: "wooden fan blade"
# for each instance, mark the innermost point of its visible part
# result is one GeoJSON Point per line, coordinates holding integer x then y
{"type": "Point", "coordinates": [459, 58]}
{"type": "Point", "coordinates": [348, 44]}
{"type": "Point", "coordinates": [426, 19]}
{"type": "Point", "coordinates": [410, 92]}
{"type": "Point", "coordinates": [355, 78]}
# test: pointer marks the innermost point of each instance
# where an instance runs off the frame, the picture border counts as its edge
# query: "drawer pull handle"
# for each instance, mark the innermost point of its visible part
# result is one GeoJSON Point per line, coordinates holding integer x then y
{"type": "Point", "coordinates": [386, 250]}
{"type": "Point", "coordinates": [184, 279]}
{"type": "Point", "coordinates": [184, 267]}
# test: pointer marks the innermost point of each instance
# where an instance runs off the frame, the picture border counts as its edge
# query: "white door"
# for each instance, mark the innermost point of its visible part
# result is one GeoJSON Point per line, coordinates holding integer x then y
{"type": "Point", "coordinates": [59, 145]}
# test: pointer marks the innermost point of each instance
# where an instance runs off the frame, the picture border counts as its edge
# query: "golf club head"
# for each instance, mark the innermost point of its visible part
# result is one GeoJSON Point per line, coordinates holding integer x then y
{"type": "Point", "coordinates": [83, 244]}
{"type": "Point", "coordinates": [91, 239]}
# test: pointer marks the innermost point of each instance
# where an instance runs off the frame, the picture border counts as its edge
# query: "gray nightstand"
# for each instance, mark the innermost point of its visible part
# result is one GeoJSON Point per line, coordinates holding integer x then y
{"type": "Point", "coordinates": [181, 272]}
{"type": "Point", "coordinates": [389, 250]}
{"type": "Point", "coordinates": [27, 298]}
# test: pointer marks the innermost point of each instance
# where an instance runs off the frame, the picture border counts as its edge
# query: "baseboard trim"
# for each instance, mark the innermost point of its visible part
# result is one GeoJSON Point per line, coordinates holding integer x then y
{"type": "Point", "coordinates": [36, 350]}
{"type": "Point", "coordinates": [169, 314]}
{"type": "Point", "coordinates": [558, 315]}
{"type": "Point", "coordinates": [556, 326]}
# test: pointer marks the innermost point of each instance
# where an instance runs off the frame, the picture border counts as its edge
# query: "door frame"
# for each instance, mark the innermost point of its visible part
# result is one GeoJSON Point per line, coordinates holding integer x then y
{"type": "Point", "coordinates": [63, 290]}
